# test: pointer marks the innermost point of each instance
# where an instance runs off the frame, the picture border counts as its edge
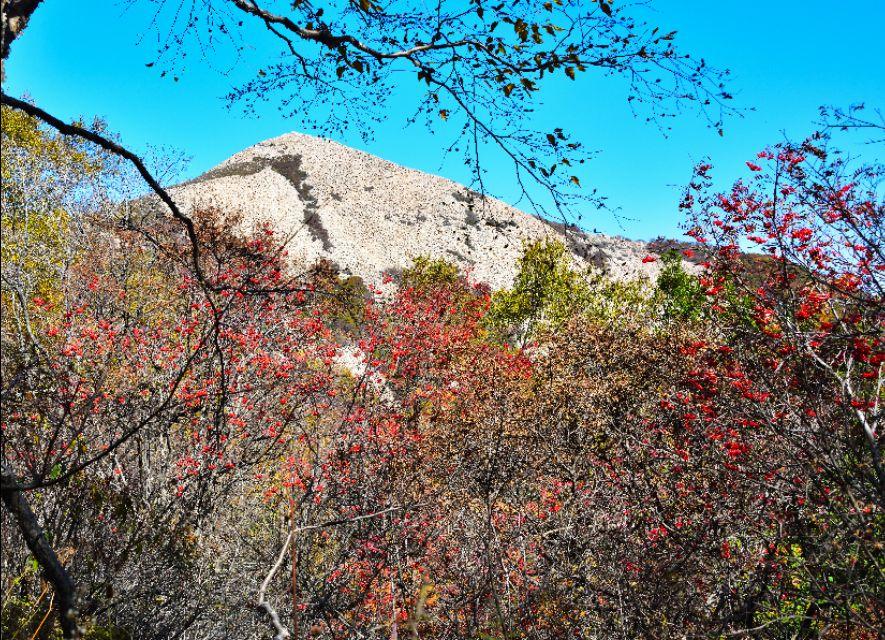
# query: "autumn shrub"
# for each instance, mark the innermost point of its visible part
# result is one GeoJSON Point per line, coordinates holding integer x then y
{"type": "Point", "coordinates": [806, 322]}
{"type": "Point", "coordinates": [199, 442]}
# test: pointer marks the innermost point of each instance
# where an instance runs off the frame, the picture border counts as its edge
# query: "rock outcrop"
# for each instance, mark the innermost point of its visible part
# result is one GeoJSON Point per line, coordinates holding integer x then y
{"type": "Point", "coordinates": [370, 216]}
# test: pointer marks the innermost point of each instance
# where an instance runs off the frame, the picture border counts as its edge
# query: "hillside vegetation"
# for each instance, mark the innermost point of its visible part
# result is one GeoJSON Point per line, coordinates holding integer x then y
{"type": "Point", "coordinates": [199, 441]}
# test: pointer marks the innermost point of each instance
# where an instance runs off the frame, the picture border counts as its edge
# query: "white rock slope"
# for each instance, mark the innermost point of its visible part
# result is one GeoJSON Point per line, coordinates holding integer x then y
{"type": "Point", "coordinates": [370, 216]}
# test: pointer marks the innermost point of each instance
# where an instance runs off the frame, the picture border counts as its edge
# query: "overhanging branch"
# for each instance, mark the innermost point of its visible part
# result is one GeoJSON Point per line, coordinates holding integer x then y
{"type": "Point", "coordinates": [109, 145]}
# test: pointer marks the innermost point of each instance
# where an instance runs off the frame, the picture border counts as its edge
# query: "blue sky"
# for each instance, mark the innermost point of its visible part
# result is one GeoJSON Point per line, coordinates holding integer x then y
{"type": "Point", "coordinates": [786, 57]}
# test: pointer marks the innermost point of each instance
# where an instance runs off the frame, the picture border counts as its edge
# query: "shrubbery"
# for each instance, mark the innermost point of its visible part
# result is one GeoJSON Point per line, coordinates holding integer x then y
{"type": "Point", "coordinates": [571, 457]}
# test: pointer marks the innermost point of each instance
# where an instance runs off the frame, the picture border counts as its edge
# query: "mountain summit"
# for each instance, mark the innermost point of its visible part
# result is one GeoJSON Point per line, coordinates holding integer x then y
{"type": "Point", "coordinates": [370, 216]}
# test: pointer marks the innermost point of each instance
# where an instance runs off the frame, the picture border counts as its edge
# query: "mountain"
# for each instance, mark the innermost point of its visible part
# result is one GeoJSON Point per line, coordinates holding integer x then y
{"type": "Point", "coordinates": [371, 217]}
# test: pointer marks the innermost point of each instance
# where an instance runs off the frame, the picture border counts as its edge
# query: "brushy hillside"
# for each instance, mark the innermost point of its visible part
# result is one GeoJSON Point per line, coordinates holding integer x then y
{"type": "Point", "coordinates": [250, 450]}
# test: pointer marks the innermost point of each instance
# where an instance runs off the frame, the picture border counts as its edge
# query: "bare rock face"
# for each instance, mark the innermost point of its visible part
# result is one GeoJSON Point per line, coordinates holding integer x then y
{"type": "Point", "coordinates": [370, 216]}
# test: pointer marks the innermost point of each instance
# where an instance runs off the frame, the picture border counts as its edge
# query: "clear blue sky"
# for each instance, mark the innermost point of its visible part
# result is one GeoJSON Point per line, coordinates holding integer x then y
{"type": "Point", "coordinates": [787, 58]}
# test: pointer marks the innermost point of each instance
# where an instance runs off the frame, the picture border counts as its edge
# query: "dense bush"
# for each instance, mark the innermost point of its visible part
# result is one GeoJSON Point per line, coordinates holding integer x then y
{"type": "Point", "coordinates": [243, 452]}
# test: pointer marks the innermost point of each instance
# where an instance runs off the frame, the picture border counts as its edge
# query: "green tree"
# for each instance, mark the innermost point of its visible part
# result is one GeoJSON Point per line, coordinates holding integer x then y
{"type": "Point", "coordinates": [678, 292]}
{"type": "Point", "coordinates": [548, 291]}
{"type": "Point", "coordinates": [427, 272]}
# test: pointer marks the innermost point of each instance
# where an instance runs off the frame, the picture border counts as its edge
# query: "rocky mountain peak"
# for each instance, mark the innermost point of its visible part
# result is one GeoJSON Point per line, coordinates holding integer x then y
{"type": "Point", "coordinates": [370, 216]}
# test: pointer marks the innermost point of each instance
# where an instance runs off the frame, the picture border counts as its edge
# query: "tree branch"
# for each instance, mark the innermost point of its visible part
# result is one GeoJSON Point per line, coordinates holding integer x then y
{"type": "Point", "coordinates": [111, 146]}
{"type": "Point", "coordinates": [281, 632]}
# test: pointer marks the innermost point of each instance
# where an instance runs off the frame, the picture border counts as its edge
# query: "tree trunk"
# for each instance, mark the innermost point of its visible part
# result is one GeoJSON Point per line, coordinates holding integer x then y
{"type": "Point", "coordinates": [16, 14]}
{"type": "Point", "coordinates": [53, 570]}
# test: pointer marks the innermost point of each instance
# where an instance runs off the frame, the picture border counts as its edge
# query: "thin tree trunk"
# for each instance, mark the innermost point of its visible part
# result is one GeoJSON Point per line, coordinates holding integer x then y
{"type": "Point", "coordinates": [53, 570]}
{"type": "Point", "coordinates": [293, 555]}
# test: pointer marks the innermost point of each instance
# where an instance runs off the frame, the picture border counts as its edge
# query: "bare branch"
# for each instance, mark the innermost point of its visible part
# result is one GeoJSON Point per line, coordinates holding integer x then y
{"type": "Point", "coordinates": [281, 632]}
